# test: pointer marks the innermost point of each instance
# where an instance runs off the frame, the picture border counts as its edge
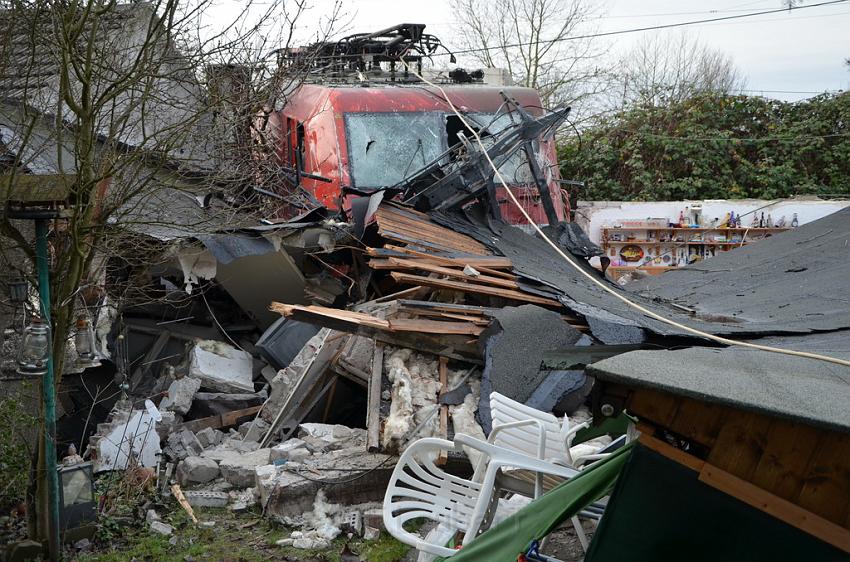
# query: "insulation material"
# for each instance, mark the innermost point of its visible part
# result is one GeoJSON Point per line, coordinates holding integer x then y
{"type": "Point", "coordinates": [415, 384]}
{"type": "Point", "coordinates": [322, 517]}
{"type": "Point", "coordinates": [196, 265]}
{"type": "Point", "coordinates": [463, 415]}
{"type": "Point", "coordinates": [588, 447]}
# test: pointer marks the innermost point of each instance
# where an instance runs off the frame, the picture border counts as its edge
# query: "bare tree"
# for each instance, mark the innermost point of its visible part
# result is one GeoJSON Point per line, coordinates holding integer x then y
{"type": "Point", "coordinates": [537, 42]}
{"type": "Point", "coordinates": [147, 114]}
{"type": "Point", "coordinates": [671, 68]}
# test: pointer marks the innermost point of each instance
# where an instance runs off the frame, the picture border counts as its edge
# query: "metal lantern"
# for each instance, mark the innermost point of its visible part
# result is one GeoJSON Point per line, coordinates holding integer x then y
{"type": "Point", "coordinates": [77, 495]}
{"type": "Point", "coordinates": [85, 344]}
{"type": "Point", "coordinates": [18, 291]}
{"type": "Point", "coordinates": [34, 352]}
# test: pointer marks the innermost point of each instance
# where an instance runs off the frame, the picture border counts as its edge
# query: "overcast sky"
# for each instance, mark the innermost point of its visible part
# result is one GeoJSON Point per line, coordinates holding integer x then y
{"type": "Point", "coordinates": [779, 54]}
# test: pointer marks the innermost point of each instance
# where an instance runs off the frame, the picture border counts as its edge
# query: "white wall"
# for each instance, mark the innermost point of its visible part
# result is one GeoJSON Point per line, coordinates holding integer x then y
{"type": "Point", "coordinates": [593, 215]}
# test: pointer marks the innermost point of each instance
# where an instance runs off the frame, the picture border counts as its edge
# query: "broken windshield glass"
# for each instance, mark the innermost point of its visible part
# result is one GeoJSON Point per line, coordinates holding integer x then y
{"type": "Point", "coordinates": [384, 148]}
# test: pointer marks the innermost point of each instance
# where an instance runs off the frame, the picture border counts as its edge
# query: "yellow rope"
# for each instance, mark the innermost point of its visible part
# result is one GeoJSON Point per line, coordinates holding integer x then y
{"type": "Point", "coordinates": [602, 285]}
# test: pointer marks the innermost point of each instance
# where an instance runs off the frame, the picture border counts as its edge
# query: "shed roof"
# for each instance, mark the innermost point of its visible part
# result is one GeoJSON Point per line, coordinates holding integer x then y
{"type": "Point", "coordinates": [804, 390]}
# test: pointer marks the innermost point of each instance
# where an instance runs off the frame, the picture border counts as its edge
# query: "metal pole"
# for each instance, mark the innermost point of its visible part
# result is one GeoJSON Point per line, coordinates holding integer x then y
{"type": "Point", "coordinates": [48, 395]}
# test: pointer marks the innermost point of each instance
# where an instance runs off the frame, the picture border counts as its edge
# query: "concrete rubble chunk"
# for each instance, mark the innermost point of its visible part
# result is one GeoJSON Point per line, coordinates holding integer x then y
{"type": "Point", "coordinates": [371, 533]}
{"type": "Point", "coordinates": [264, 478]}
{"type": "Point", "coordinates": [242, 499]}
{"type": "Point", "coordinates": [127, 433]}
{"type": "Point", "coordinates": [151, 516]}
{"type": "Point", "coordinates": [161, 528]}
{"type": "Point", "coordinates": [254, 430]}
{"type": "Point", "coordinates": [184, 444]}
{"type": "Point", "coordinates": [209, 437]}
{"type": "Point", "coordinates": [196, 470]}
{"type": "Point", "coordinates": [206, 498]}
{"type": "Point", "coordinates": [238, 468]}
{"type": "Point", "coordinates": [290, 450]}
{"type": "Point", "coordinates": [221, 367]}
{"type": "Point", "coordinates": [180, 395]}
{"type": "Point", "coordinates": [322, 438]}
{"type": "Point", "coordinates": [167, 424]}
{"type": "Point", "coordinates": [311, 544]}
{"type": "Point", "coordinates": [236, 443]}
{"type": "Point", "coordinates": [290, 494]}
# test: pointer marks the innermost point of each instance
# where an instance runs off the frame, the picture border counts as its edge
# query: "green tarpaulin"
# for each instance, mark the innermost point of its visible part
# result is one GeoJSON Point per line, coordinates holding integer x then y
{"type": "Point", "coordinates": [511, 537]}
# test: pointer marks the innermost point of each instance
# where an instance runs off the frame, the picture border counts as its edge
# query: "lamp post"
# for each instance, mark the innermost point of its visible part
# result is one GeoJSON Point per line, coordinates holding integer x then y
{"type": "Point", "coordinates": [42, 198]}
{"type": "Point", "coordinates": [35, 359]}
{"type": "Point", "coordinates": [48, 391]}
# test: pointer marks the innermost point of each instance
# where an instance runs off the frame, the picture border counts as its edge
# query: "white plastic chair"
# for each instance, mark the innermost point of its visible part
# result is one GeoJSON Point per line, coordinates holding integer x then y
{"type": "Point", "coordinates": [418, 488]}
{"type": "Point", "coordinates": [539, 435]}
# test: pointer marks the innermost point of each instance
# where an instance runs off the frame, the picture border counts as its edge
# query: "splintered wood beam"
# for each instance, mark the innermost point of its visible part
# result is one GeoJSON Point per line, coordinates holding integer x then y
{"type": "Point", "coordinates": [443, 338]}
{"type": "Point", "coordinates": [354, 320]}
{"type": "Point", "coordinates": [494, 262]}
{"type": "Point", "coordinates": [373, 401]}
{"type": "Point", "coordinates": [408, 279]}
{"type": "Point", "coordinates": [399, 263]}
{"type": "Point", "coordinates": [221, 420]}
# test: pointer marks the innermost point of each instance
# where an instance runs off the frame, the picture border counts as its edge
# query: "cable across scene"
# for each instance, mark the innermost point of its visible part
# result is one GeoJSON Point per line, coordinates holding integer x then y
{"type": "Point", "coordinates": [598, 282]}
{"type": "Point", "coordinates": [642, 29]}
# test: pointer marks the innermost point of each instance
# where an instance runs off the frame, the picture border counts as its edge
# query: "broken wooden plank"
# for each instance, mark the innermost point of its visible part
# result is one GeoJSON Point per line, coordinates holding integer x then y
{"type": "Point", "coordinates": [353, 320]}
{"type": "Point", "coordinates": [494, 262]}
{"type": "Point", "coordinates": [439, 343]}
{"type": "Point", "coordinates": [409, 279]}
{"type": "Point", "coordinates": [423, 326]}
{"type": "Point", "coordinates": [399, 263]}
{"type": "Point", "coordinates": [373, 401]}
{"type": "Point", "coordinates": [221, 420]}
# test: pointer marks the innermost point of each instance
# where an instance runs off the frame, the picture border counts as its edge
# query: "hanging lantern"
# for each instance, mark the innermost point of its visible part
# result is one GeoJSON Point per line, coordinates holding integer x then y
{"type": "Point", "coordinates": [85, 344]}
{"type": "Point", "coordinates": [18, 291]}
{"type": "Point", "coordinates": [34, 352]}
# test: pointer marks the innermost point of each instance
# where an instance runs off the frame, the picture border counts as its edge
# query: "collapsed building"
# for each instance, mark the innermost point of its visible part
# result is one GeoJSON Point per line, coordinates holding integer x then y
{"type": "Point", "coordinates": [393, 288]}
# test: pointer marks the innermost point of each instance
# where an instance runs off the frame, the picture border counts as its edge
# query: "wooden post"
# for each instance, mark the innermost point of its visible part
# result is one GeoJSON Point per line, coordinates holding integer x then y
{"type": "Point", "coordinates": [373, 408]}
{"type": "Point", "coordinates": [444, 410]}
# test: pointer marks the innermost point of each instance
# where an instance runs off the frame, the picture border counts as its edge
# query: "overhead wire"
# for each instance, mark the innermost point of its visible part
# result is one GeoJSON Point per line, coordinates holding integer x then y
{"type": "Point", "coordinates": [644, 28]}
{"type": "Point", "coordinates": [603, 286]}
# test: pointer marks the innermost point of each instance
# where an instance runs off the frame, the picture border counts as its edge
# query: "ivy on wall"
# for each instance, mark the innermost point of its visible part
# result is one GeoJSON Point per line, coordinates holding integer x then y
{"type": "Point", "coordinates": [715, 146]}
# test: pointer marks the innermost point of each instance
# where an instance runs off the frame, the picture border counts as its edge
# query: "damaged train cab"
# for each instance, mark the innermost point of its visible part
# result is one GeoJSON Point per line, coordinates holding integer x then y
{"type": "Point", "coordinates": [348, 140]}
{"type": "Point", "coordinates": [352, 134]}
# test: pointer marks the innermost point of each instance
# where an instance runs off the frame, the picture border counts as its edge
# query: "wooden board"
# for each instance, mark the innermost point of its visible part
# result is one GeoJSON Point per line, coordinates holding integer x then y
{"type": "Point", "coordinates": [407, 225]}
{"type": "Point", "coordinates": [789, 450]}
{"type": "Point", "coordinates": [826, 480]}
{"type": "Point", "coordinates": [741, 443]}
{"type": "Point", "coordinates": [473, 288]}
{"type": "Point", "coordinates": [777, 507]}
{"type": "Point", "coordinates": [373, 401]}
{"type": "Point", "coordinates": [399, 263]}
{"type": "Point", "coordinates": [492, 262]}
{"type": "Point", "coordinates": [668, 450]}
{"type": "Point", "coordinates": [698, 421]}
{"type": "Point", "coordinates": [351, 321]}
{"type": "Point", "coordinates": [222, 420]}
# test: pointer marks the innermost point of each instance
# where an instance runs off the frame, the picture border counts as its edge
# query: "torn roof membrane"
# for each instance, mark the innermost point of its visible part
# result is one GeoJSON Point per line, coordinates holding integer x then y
{"type": "Point", "coordinates": [793, 282]}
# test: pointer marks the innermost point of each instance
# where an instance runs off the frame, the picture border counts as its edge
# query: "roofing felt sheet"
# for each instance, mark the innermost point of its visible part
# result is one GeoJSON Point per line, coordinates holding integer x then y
{"type": "Point", "coordinates": [793, 282]}
{"type": "Point", "coordinates": [799, 389]}
{"type": "Point", "coordinates": [514, 345]}
{"type": "Point", "coordinates": [796, 281]}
